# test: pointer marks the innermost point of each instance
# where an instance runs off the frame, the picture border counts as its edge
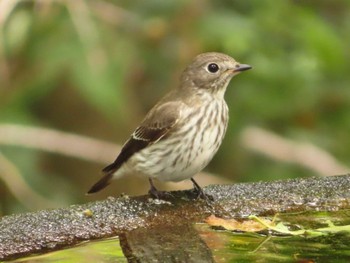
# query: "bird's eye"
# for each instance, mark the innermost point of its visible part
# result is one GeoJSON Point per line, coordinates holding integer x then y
{"type": "Point", "coordinates": [213, 67]}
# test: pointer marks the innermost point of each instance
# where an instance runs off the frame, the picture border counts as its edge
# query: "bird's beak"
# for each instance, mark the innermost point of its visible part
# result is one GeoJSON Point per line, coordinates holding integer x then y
{"type": "Point", "coordinates": [242, 67]}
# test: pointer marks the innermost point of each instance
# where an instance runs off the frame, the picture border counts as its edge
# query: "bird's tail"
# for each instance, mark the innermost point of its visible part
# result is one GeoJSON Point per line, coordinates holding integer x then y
{"type": "Point", "coordinates": [109, 172]}
{"type": "Point", "coordinates": [102, 183]}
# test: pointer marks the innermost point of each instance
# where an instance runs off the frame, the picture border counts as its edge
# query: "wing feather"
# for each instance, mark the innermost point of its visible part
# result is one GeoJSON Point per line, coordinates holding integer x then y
{"type": "Point", "coordinates": [158, 123]}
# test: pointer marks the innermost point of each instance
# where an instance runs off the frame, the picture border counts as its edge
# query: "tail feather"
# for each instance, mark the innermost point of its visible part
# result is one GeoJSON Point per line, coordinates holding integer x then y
{"type": "Point", "coordinates": [102, 183]}
{"type": "Point", "coordinates": [110, 172]}
{"type": "Point", "coordinates": [106, 179]}
{"type": "Point", "coordinates": [111, 168]}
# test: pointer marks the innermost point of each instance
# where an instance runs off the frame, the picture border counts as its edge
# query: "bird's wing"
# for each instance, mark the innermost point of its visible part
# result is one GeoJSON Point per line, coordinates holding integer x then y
{"type": "Point", "coordinates": [158, 123]}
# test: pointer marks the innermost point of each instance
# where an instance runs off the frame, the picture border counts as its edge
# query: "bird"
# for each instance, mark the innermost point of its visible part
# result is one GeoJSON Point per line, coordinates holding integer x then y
{"type": "Point", "coordinates": [181, 134]}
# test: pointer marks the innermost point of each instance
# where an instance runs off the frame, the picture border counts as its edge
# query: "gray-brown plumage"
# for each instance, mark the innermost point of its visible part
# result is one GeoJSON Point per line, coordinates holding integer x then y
{"type": "Point", "coordinates": [182, 132]}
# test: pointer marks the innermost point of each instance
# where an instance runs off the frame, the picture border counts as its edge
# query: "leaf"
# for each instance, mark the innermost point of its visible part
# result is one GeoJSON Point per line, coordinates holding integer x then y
{"type": "Point", "coordinates": [235, 225]}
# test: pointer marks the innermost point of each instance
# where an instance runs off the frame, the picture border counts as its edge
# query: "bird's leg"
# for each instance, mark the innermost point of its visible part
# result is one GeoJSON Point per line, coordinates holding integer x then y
{"type": "Point", "coordinates": [200, 193]}
{"type": "Point", "coordinates": [198, 189]}
{"type": "Point", "coordinates": [153, 190]}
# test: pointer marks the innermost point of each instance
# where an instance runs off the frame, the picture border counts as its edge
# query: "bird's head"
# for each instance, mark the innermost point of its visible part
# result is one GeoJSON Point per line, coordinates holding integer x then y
{"type": "Point", "coordinates": [212, 72]}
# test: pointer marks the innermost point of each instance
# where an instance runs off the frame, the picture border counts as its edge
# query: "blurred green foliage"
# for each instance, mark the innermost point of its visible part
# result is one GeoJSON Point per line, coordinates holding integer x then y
{"type": "Point", "coordinates": [96, 67]}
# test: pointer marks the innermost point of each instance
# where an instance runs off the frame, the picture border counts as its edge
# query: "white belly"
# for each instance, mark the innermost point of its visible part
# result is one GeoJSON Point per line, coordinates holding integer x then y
{"type": "Point", "coordinates": [186, 152]}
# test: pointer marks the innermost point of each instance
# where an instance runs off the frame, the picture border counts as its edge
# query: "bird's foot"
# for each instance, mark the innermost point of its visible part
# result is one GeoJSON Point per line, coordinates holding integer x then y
{"type": "Point", "coordinates": [200, 193]}
{"type": "Point", "coordinates": [153, 192]}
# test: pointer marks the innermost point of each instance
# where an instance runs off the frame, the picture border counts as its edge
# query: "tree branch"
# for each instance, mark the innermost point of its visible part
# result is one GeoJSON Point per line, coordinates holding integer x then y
{"type": "Point", "coordinates": [49, 230]}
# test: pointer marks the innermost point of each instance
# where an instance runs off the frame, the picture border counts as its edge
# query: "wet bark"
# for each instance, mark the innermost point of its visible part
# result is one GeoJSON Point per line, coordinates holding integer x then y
{"type": "Point", "coordinates": [141, 220]}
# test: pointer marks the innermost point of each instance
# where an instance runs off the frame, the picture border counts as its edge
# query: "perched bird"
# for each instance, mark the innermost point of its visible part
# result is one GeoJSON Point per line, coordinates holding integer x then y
{"type": "Point", "coordinates": [180, 135]}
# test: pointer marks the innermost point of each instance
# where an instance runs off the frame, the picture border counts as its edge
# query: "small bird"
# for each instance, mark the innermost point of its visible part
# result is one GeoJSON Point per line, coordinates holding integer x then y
{"type": "Point", "coordinates": [180, 135]}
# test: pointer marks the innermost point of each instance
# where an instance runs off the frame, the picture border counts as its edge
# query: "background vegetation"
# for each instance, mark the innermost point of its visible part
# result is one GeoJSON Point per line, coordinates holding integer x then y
{"type": "Point", "coordinates": [94, 68]}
